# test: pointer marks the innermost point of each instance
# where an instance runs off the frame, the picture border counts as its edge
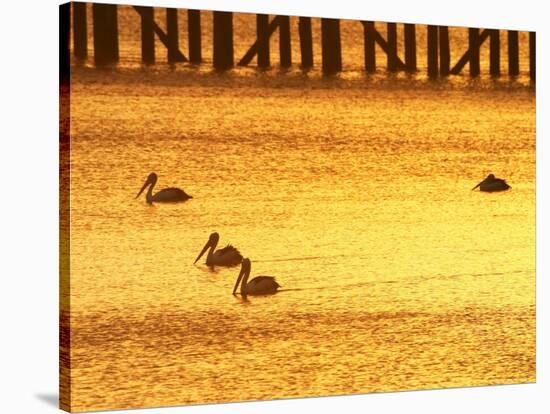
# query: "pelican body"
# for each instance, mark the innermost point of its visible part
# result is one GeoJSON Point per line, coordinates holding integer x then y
{"type": "Point", "coordinates": [260, 285]}
{"type": "Point", "coordinates": [228, 256]}
{"type": "Point", "coordinates": [491, 184]}
{"type": "Point", "coordinates": [166, 195]}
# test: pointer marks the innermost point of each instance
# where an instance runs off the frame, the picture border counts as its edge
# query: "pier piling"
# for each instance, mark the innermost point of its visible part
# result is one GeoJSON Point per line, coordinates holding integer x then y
{"type": "Point", "coordinates": [264, 37]}
{"type": "Point", "coordinates": [105, 22]}
{"type": "Point", "coordinates": [262, 24]}
{"type": "Point", "coordinates": [223, 40]}
{"type": "Point", "coordinates": [463, 61]}
{"type": "Point", "coordinates": [194, 36]}
{"type": "Point", "coordinates": [433, 46]}
{"type": "Point", "coordinates": [444, 51]}
{"type": "Point", "coordinates": [147, 15]}
{"type": "Point", "coordinates": [473, 47]}
{"type": "Point", "coordinates": [172, 33]}
{"type": "Point", "coordinates": [369, 45]}
{"type": "Point", "coordinates": [410, 48]}
{"type": "Point", "coordinates": [148, 31]}
{"type": "Point", "coordinates": [392, 47]}
{"type": "Point", "coordinates": [285, 51]}
{"type": "Point", "coordinates": [513, 53]}
{"type": "Point", "coordinates": [331, 48]}
{"type": "Point", "coordinates": [80, 31]}
{"type": "Point", "coordinates": [494, 53]}
{"type": "Point", "coordinates": [306, 42]}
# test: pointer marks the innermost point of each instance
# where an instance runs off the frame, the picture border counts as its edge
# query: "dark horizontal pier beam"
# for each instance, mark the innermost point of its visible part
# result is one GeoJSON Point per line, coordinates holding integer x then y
{"type": "Point", "coordinates": [80, 30]}
{"type": "Point", "coordinates": [105, 20]}
{"type": "Point", "coordinates": [467, 56]}
{"type": "Point", "coordinates": [163, 37]}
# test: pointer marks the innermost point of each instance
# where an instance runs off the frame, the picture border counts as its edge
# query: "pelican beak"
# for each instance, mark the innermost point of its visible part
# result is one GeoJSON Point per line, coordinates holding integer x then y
{"type": "Point", "coordinates": [241, 274]}
{"type": "Point", "coordinates": [477, 185]}
{"type": "Point", "coordinates": [147, 182]}
{"type": "Point", "coordinates": [246, 275]}
{"type": "Point", "coordinates": [206, 246]}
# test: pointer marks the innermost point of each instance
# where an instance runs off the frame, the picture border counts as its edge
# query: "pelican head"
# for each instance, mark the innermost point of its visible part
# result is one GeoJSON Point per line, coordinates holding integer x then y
{"type": "Point", "coordinates": [490, 177]}
{"type": "Point", "coordinates": [243, 276]}
{"type": "Point", "coordinates": [151, 180]}
{"type": "Point", "coordinates": [211, 243]}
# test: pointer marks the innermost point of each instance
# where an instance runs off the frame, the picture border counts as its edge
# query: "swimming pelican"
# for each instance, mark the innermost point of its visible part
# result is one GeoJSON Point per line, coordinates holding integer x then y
{"type": "Point", "coordinates": [166, 195]}
{"type": "Point", "coordinates": [491, 184]}
{"type": "Point", "coordinates": [228, 256]}
{"type": "Point", "coordinates": [260, 285]}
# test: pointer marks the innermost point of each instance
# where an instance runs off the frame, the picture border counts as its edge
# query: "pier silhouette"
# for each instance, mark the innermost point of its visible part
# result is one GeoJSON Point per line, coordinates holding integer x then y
{"type": "Point", "coordinates": [438, 49]}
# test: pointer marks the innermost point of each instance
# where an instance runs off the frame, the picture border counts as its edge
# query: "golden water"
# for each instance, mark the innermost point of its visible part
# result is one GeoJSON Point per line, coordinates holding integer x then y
{"type": "Point", "coordinates": [354, 193]}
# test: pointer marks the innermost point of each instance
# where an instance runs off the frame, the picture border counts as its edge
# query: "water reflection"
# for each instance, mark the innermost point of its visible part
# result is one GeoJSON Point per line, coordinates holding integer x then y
{"type": "Point", "coordinates": [355, 194]}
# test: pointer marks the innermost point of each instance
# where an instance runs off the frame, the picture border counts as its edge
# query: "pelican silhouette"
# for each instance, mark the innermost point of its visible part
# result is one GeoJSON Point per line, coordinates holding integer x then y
{"type": "Point", "coordinates": [228, 256]}
{"type": "Point", "coordinates": [260, 285]}
{"type": "Point", "coordinates": [166, 195]}
{"type": "Point", "coordinates": [491, 184]}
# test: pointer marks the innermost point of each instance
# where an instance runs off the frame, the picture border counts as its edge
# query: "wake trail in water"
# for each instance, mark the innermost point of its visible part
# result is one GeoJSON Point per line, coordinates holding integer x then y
{"type": "Point", "coordinates": [297, 259]}
{"type": "Point", "coordinates": [414, 279]}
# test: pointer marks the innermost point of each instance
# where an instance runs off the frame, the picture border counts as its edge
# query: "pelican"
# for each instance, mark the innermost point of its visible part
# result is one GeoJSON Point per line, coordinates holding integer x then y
{"type": "Point", "coordinates": [166, 195]}
{"type": "Point", "coordinates": [260, 285]}
{"type": "Point", "coordinates": [228, 256]}
{"type": "Point", "coordinates": [491, 184]}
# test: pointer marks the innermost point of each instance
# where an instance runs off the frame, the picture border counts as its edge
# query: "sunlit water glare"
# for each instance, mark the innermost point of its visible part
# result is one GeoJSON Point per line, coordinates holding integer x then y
{"type": "Point", "coordinates": [354, 193]}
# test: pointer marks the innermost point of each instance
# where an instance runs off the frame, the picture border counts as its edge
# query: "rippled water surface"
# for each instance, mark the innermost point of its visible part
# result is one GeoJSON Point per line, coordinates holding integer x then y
{"type": "Point", "coordinates": [353, 192]}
